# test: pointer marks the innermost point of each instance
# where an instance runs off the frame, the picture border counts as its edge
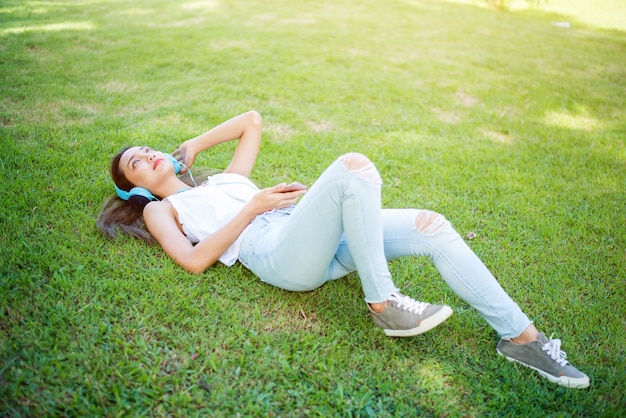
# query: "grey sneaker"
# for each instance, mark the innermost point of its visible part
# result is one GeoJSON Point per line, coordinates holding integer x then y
{"type": "Point", "coordinates": [404, 316]}
{"type": "Point", "coordinates": [546, 357]}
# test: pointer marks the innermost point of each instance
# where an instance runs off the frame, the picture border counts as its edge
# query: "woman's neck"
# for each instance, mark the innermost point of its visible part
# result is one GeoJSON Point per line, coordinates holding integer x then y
{"type": "Point", "coordinates": [169, 187]}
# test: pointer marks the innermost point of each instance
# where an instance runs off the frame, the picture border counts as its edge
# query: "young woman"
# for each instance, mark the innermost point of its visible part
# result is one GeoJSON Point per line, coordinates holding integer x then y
{"type": "Point", "coordinates": [337, 227]}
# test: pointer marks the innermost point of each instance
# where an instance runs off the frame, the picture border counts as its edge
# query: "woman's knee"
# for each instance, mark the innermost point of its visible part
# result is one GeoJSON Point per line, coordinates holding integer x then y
{"type": "Point", "coordinates": [360, 165]}
{"type": "Point", "coordinates": [430, 223]}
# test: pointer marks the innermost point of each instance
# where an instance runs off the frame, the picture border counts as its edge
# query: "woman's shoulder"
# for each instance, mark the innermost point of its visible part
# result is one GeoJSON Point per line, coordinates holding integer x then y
{"type": "Point", "coordinates": [158, 207]}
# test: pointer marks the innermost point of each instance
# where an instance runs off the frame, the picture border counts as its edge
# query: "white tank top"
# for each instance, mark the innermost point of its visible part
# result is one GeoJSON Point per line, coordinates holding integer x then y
{"type": "Point", "coordinates": [206, 208]}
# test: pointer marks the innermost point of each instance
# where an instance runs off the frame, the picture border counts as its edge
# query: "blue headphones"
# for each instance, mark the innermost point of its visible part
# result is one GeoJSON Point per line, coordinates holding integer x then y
{"type": "Point", "coordinates": [141, 196]}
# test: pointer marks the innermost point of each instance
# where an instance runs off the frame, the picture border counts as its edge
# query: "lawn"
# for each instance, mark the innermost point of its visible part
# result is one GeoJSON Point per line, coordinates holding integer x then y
{"type": "Point", "coordinates": [511, 123]}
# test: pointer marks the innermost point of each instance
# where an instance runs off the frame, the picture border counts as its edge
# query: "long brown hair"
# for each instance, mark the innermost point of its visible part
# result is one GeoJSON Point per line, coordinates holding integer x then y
{"type": "Point", "coordinates": [118, 214]}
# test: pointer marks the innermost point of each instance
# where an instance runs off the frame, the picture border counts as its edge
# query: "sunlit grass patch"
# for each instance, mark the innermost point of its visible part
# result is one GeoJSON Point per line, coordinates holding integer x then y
{"type": "Point", "coordinates": [566, 120]}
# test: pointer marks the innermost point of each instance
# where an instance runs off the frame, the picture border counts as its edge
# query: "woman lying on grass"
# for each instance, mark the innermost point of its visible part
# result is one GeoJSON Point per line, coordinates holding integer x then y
{"type": "Point", "coordinates": [338, 227]}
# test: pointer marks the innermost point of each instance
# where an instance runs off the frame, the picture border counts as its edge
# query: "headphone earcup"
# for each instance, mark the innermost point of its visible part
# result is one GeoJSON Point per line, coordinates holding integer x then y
{"type": "Point", "coordinates": [140, 196]}
{"type": "Point", "coordinates": [137, 195]}
{"type": "Point", "coordinates": [177, 165]}
{"type": "Point", "coordinates": [139, 200]}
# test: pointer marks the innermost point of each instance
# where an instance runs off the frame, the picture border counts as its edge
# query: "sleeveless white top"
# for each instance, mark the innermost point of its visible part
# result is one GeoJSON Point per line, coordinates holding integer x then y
{"type": "Point", "coordinates": [206, 208]}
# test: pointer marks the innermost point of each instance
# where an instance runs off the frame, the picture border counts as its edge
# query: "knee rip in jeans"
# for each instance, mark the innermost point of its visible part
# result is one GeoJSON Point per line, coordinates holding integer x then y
{"type": "Point", "coordinates": [430, 223]}
{"type": "Point", "coordinates": [360, 165]}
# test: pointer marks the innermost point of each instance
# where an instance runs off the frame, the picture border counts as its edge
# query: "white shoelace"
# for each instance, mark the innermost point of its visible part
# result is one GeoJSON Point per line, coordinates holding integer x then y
{"type": "Point", "coordinates": [553, 348]}
{"type": "Point", "coordinates": [408, 304]}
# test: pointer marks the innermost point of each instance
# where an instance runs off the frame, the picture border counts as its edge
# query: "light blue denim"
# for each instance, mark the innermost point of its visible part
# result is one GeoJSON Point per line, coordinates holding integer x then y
{"type": "Point", "coordinates": [339, 227]}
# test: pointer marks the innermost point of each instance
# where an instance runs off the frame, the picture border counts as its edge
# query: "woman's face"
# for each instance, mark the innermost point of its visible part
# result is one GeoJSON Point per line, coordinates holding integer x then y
{"type": "Point", "coordinates": [144, 167]}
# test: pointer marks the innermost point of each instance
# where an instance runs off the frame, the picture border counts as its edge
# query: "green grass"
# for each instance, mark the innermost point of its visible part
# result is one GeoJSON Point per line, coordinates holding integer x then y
{"type": "Point", "coordinates": [511, 126]}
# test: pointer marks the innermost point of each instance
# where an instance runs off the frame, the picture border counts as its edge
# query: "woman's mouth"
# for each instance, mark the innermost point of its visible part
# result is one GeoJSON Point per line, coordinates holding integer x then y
{"type": "Point", "coordinates": [157, 162]}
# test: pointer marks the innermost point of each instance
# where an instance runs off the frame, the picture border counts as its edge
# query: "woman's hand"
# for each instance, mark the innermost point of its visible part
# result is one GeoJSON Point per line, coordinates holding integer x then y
{"type": "Point", "coordinates": [273, 198]}
{"type": "Point", "coordinates": [186, 154]}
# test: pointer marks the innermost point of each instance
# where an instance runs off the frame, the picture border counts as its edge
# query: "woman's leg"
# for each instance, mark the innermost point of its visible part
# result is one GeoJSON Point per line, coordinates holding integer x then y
{"type": "Point", "coordinates": [425, 233]}
{"type": "Point", "coordinates": [297, 251]}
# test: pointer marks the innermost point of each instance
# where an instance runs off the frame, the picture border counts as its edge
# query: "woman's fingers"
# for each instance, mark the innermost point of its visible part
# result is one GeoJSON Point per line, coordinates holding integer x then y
{"type": "Point", "coordinates": [274, 198]}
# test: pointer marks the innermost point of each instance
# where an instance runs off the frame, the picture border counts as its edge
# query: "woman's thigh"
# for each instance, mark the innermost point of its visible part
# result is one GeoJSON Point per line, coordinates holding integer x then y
{"type": "Point", "coordinates": [297, 251]}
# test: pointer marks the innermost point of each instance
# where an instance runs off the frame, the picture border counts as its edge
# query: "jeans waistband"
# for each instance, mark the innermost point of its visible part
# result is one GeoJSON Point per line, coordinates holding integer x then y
{"type": "Point", "coordinates": [272, 214]}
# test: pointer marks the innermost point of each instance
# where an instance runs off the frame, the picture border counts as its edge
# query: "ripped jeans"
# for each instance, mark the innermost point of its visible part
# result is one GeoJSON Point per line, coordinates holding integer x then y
{"type": "Point", "coordinates": [339, 227]}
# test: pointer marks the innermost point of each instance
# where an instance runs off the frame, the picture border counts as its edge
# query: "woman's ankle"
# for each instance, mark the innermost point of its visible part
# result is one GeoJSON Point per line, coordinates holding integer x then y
{"type": "Point", "coordinates": [378, 307]}
{"type": "Point", "coordinates": [530, 334]}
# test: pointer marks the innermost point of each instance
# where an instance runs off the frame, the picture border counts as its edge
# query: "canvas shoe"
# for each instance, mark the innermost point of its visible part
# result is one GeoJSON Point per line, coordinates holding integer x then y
{"type": "Point", "coordinates": [404, 316]}
{"type": "Point", "coordinates": [544, 356]}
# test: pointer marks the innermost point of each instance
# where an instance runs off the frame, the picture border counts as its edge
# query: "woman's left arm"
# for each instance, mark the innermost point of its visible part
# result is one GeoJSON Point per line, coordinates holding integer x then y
{"type": "Point", "coordinates": [246, 128]}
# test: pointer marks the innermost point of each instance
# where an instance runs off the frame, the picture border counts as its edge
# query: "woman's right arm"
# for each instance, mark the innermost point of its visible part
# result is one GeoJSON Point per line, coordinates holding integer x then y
{"type": "Point", "coordinates": [160, 219]}
{"type": "Point", "coordinates": [246, 128]}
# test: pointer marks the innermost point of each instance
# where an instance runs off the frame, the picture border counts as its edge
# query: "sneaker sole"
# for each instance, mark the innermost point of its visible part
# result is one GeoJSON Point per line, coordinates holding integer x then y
{"type": "Point", "coordinates": [426, 325]}
{"type": "Point", "coordinates": [568, 382]}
